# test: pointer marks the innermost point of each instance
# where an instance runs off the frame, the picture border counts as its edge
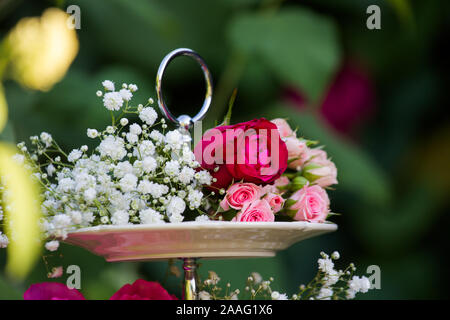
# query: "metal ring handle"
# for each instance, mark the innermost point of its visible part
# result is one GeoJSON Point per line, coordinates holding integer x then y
{"type": "Point", "coordinates": [184, 121]}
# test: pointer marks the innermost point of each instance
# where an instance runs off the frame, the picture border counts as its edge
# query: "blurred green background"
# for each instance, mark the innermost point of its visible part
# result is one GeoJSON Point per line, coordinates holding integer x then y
{"type": "Point", "coordinates": [375, 98]}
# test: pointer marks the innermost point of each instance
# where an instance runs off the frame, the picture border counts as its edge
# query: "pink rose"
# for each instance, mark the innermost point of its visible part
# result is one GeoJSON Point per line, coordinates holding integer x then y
{"type": "Point", "coordinates": [283, 127]}
{"type": "Point", "coordinates": [142, 290]}
{"type": "Point", "coordinates": [297, 152]}
{"type": "Point", "coordinates": [51, 291]}
{"type": "Point", "coordinates": [257, 211]}
{"type": "Point", "coordinates": [312, 204]}
{"type": "Point", "coordinates": [275, 201]}
{"type": "Point", "coordinates": [319, 169]}
{"type": "Point", "coordinates": [239, 194]}
{"type": "Point", "coordinates": [250, 152]}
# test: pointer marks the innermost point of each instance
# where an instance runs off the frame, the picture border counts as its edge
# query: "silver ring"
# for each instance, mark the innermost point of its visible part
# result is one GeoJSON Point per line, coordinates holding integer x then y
{"type": "Point", "coordinates": [184, 121]}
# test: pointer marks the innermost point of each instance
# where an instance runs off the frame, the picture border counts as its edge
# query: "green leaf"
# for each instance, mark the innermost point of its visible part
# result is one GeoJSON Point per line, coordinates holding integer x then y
{"type": "Point", "coordinates": [358, 172]}
{"type": "Point", "coordinates": [289, 202]}
{"type": "Point", "coordinates": [227, 119]}
{"type": "Point", "coordinates": [300, 47]}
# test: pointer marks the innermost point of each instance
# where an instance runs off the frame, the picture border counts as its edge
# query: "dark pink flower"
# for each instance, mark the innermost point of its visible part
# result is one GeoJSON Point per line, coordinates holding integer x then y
{"type": "Point", "coordinates": [250, 152]}
{"type": "Point", "coordinates": [143, 290]}
{"type": "Point", "coordinates": [348, 101]}
{"type": "Point", "coordinates": [51, 291]}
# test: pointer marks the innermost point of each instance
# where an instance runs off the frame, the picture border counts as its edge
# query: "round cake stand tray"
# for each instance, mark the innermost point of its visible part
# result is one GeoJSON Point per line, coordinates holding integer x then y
{"type": "Point", "coordinates": [191, 240]}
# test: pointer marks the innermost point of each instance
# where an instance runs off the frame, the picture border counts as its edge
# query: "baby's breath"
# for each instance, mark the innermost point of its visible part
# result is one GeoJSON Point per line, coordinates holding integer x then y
{"type": "Point", "coordinates": [135, 176]}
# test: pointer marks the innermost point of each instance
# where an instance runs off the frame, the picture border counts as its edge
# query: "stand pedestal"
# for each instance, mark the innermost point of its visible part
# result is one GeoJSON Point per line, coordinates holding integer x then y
{"type": "Point", "coordinates": [190, 279]}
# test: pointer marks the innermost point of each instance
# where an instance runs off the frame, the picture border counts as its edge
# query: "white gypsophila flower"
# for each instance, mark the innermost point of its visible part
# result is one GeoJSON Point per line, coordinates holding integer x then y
{"type": "Point", "coordinates": [149, 164]}
{"type": "Point", "coordinates": [126, 94]}
{"type": "Point", "coordinates": [84, 148]}
{"type": "Point", "coordinates": [135, 129]}
{"type": "Point", "coordinates": [120, 217]}
{"type": "Point", "coordinates": [157, 136]}
{"type": "Point", "coordinates": [4, 241]}
{"type": "Point", "coordinates": [325, 265]}
{"type": "Point", "coordinates": [65, 185]}
{"type": "Point", "coordinates": [108, 85]}
{"type": "Point", "coordinates": [123, 122]}
{"type": "Point", "coordinates": [88, 217]}
{"type": "Point", "coordinates": [195, 198]}
{"type": "Point", "coordinates": [52, 245]}
{"type": "Point", "coordinates": [204, 295]}
{"type": "Point", "coordinates": [172, 168]}
{"type": "Point", "coordinates": [46, 138]}
{"type": "Point", "coordinates": [112, 147]}
{"type": "Point", "coordinates": [335, 255]}
{"type": "Point", "coordinates": [61, 221]}
{"type": "Point", "coordinates": [186, 175]}
{"type": "Point", "coordinates": [188, 156]}
{"type": "Point", "coordinates": [174, 139]}
{"type": "Point", "coordinates": [18, 158]}
{"type": "Point", "coordinates": [176, 218]}
{"type": "Point", "coordinates": [90, 194]}
{"type": "Point", "coordinates": [325, 294]}
{"type": "Point", "coordinates": [202, 218]}
{"type": "Point", "coordinates": [110, 129]}
{"type": "Point", "coordinates": [76, 217]}
{"type": "Point", "coordinates": [133, 87]}
{"type": "Point", "coordinates": [113, 101]}
{"type": "Point", "coordinates": [74, 155]}
{"type": "Point", "coordinates": [350, 294]}
{"type": "Point", "coordinates": [128, 182]}
{"type": "Point", "coordinates": [99, 93]}
{"type": "Point", "coordinates": [148, 115]}
{"type": "Point", "coordinates": [83, 180]}
{"type": "Point", "coordinates": [122, 168]}
{"type": "Point", "coordinates": [331, 278]}
{"type": "Point", "coordinates": [176, 206]}
{"type": "Point", "coordinates": [104, 220]}
{"type": "Point", "coordinates": [257, 278]}
{"type": "Point", "coordinates": [154, 189]}
{"type": "Point", "coordinates": [145, 148]}
{"type": "Point", "coordinates": [364, 284]}
{"type": "Point", "coordinates": [358, 284]}
{"type": "Point", "coordinates": [132, 138]}
{"type": "Point", "coordinates": [150, 216]}
{"type": "Point", "coordinates": [92, 133]}
{"type": "Point", "coordinates": [283, 296]}
{"type": "Point", "coordinates": [203, 177]}
{"type": "Point", "coordinates": [275, 295]}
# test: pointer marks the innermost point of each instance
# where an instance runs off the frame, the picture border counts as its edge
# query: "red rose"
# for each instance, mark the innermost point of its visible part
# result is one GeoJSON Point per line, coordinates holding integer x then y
{"type": "Point", "coordinates": [250, 151]}
{"type": "Point", "coordinates": [51, 291]}
{"type": "Point", "coordinates": [143, 290]}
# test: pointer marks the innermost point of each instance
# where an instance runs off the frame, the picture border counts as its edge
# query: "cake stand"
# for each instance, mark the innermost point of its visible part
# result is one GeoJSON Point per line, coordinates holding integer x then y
{"type": "Point", "coordinates": [192, 240]}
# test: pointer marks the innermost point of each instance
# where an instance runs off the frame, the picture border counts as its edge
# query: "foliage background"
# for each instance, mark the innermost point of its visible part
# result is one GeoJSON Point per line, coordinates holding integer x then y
{"type": "Point", "coordinates": [375, 98]}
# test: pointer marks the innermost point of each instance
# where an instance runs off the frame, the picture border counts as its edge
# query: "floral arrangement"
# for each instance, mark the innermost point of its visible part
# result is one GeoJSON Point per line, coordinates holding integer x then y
{"type": "Point", "coordinates": [328, 284]}
{"type": "Point", "coordinates": [143, 173]}
{"type": "Point", "coordinates": [281, 178]}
